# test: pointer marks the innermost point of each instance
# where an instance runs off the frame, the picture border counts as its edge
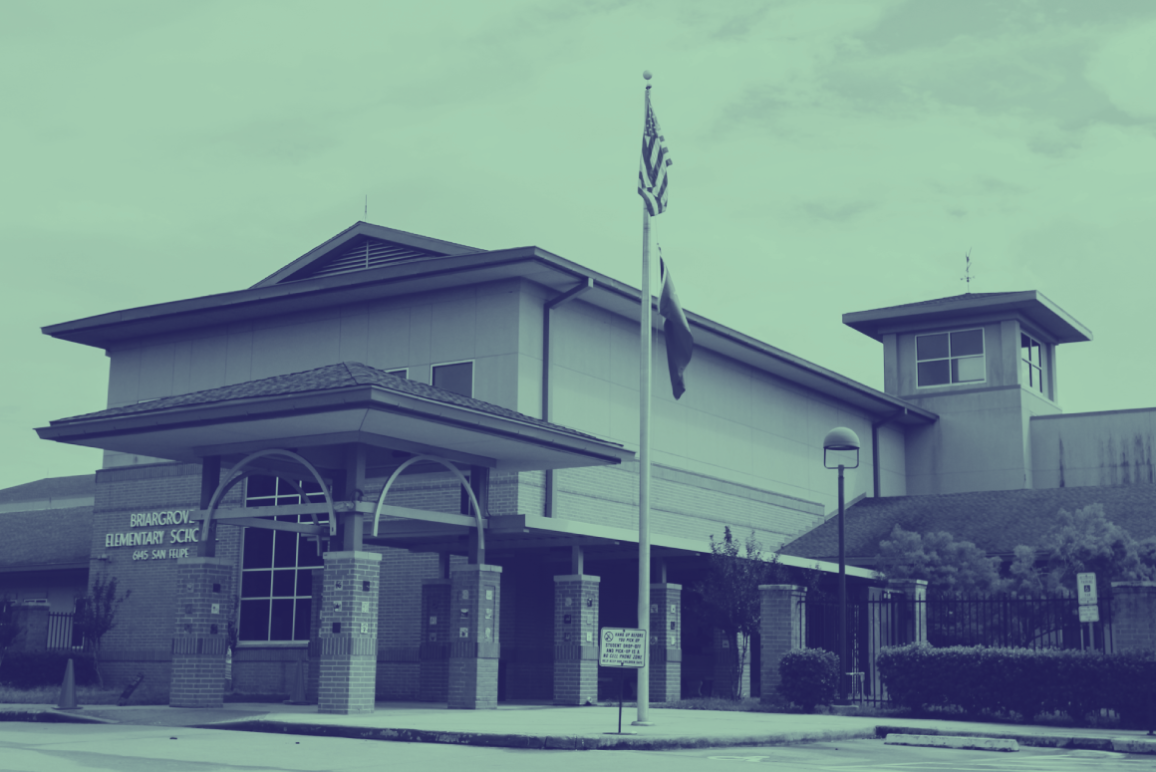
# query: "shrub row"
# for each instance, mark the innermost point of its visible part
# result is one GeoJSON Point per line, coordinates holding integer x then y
{"type": "Point", "coordinates": [1023, 682]}
{"type": "Point", "coordinates": [809, 677]}
{"type": "Point", "coordinates": [29, 669]}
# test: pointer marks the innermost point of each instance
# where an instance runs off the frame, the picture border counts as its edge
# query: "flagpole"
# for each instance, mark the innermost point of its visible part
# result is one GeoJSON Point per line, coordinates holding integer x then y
{"type": "Point", "coordinates": [643, 691]}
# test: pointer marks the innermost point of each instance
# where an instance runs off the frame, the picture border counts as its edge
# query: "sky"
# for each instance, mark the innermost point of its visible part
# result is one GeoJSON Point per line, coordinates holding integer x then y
{"type": "Point", "coordinates": [828, 157]}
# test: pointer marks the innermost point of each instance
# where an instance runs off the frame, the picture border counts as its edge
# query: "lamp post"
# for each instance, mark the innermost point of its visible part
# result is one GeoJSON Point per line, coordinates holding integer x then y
{"type": "Point", "coordinates": [842, 439]}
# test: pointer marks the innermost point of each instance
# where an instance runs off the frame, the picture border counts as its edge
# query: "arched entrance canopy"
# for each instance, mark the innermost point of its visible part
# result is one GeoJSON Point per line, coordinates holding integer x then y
{"type": "Point", "coordinates": [320, 421]}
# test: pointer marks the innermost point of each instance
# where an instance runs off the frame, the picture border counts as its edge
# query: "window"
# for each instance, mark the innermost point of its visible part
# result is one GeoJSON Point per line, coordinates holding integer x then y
{"type": "Point", "coordinates": [950, 357]}
{"type": "Point", "coordinates": [276, 567]}
{"type": "Point", "coordinates": [458, 378]}
{"type": "Point", "coordinates": [402, 373]}
{"type": "Point", "coordinates": [1032, 363]}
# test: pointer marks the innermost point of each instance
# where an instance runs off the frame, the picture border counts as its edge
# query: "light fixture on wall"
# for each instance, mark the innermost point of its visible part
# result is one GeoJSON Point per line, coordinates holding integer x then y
{"type": "Point", "coordinates": [843, 442]}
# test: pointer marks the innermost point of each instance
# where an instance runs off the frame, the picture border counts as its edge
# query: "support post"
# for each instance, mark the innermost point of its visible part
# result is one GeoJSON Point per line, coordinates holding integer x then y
{"type": "Point", "coordinates": [434, 650]}
{"type": "Point", "coordinates": [915, 597]}
{"type": "Point", "coordinates": [349, 633]}
{"type": "Point", "coordinates": [474, 612]}
{"type": "Point", "coordinates": [575, 639]}
{"type": "Point", "coordinates": [210, 479]}
{"type": "Point", "coordinates": [201, 637]}
{"type": "Point", "coordinates": [783, 628]}
{"type": "Point", "coordinates": [665, 641]}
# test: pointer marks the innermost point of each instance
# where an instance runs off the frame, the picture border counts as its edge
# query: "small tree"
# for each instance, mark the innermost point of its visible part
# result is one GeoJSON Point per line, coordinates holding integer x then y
{"type": "Point", "coordinates": [1084, 540]}
{"type": "Point", "coordinates": [96, 615]}
{"type": "Point", "coordinates": [730, 596]}
{"type": "Point", "coordinates": [9, 625]}
{"type": "Point", "coordinates": [946, 564]}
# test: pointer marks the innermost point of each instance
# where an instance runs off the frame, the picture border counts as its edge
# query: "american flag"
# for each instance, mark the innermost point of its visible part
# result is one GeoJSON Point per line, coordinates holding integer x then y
{"type": "Point", "coordinates": [652, 179]}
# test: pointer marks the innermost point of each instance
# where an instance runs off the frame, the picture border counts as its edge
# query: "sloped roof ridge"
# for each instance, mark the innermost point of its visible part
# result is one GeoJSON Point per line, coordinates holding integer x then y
{"type": "Point", "coordinates": [324, 378]}
{"type": "Point", "coordinates": [65, 487]}
{"type": "Point", "coordinates": [949, 299]}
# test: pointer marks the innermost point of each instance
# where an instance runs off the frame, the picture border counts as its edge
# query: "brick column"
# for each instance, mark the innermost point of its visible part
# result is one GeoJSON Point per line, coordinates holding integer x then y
{"type": "Point", "coordinates": [201, 636]}
{"type": "Point", "coordinates": [783, 628]}
{"type": "Point", "coordinates": [575, 639]}
{"type": "Point", "coordinates": [1133, 615]}
{"type": "Point", "coordinates": [313, 673]}
{"type": "Point", "coordinates": [349, 633]}
{"type": "Point", "coordinates": [914, 626]}
{"type": "Point", "coordinates": [473, 662]}
{"type": "Point", "coordinates": [665, 642]}
{"type": "Point", "coordinates": [434, 650]}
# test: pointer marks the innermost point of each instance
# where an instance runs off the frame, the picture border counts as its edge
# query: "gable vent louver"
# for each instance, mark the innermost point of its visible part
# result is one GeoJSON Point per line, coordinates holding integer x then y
{"type": "Point", "coordinates": [362, 254]}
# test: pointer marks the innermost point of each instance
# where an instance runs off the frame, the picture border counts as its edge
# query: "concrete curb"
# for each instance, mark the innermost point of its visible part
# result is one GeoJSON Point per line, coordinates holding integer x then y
{"type": "Point", "coordinates": [1134, 744]}
{"type": "Point", "coordinates": [537, 742]}
{"type": "Point", "coordinates": [51, 717]}
{"type": "Point", "coordinates": [953, 741]}
{"type": "Point", "coordinates": [1073, 742]}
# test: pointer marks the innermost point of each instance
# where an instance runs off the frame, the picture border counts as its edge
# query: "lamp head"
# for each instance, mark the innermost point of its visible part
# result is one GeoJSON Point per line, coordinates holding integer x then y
{"type": "Point", "coordinates": [841, 439]}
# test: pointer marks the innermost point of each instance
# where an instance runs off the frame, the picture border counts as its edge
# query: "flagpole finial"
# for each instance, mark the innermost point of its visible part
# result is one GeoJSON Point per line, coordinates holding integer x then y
{"type": "Point", "coordinates": [646, 74]}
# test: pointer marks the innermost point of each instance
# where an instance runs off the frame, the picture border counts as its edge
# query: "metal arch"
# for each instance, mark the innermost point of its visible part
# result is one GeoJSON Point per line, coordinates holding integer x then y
{"type": "Point", "coordinates": [456, 472]}
{"type": "Point", "coordinates": [229, 482]}
{"type": "Point", "coordinates": [296, 485]}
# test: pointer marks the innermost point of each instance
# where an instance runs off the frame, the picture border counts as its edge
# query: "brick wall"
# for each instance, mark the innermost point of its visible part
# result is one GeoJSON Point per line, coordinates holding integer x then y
{"type": "Point", "coordinates": [1133, 615]}
{"type": "Point", "coordinates": [349, 618]}
{"type": "Point", "coordinates": [200, 637]}
{"type": "Point", "coordinates": [782, 629]}
{"type": "Point", "coordinates": [575, 639]}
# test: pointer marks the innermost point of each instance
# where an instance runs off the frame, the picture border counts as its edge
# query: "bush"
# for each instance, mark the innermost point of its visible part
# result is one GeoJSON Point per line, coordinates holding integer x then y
{"type": "Point", "coordinates": [809, 677]}
{"type": "Point", "coordinates": [1023, 682]}
{"type": "Point", "coordinates": [30, 669]}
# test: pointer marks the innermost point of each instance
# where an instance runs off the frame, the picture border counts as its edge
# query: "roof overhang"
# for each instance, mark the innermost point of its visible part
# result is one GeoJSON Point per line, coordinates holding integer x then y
{"type": "Point", "coordinates": [320, 425]}
{"type": "Point", "coordinates": [531, 264]}
{"type": "Point", "coordinates": [522, 532]}
{"type": "Point", "coordinates": [1032, 306]}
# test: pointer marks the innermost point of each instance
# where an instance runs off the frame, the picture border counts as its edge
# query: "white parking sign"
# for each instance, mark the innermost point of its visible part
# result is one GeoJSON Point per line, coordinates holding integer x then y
{"type": "Point", "coordinates": [622, 647]}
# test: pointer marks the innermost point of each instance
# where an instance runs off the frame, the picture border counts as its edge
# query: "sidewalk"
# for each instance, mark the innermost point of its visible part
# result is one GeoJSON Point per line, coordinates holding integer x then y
{"type": "Point", "coordinates": [585, 728]}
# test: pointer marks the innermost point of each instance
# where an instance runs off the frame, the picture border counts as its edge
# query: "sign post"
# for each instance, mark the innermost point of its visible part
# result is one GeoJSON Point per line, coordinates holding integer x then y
{"type": "Point", "coordinates": [1088, 602]}
{"type": "Point", "coordinates": [623, 648]}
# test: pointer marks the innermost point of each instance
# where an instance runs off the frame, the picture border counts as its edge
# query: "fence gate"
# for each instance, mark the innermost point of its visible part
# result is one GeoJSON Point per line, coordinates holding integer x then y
{"type": "Point", "coordinates": [872, 623]}
{"type": "Point", "coordinates": [886, 619]}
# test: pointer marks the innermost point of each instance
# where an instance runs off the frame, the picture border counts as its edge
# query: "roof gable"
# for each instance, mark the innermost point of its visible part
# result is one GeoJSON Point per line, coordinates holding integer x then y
{"type": "Point", "coordinates": [361, 247]}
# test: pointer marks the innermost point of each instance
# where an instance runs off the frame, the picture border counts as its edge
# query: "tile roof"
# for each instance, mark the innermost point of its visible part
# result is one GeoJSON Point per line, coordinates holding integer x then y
{"type": "Point", "coordinates": [338, 376]}
{"type": "Point", "coordinates": [57, 537]}
{"type": "Point", "coordinates": [72, 487]}
{"type": "Point", "coordinates": [995, 521]}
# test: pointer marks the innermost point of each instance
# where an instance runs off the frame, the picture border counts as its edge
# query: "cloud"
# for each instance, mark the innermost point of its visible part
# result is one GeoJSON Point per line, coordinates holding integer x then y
{"type": "Point", "coordinates": [1124, 68]}
{"type": "Point", "coordinates": [836, 211]}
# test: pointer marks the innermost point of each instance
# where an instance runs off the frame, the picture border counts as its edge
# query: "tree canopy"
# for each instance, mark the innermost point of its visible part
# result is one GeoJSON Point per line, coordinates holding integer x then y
{"type": "Point", "coordinates": [946, 564]}
{"type": "Point", "coordinates": [1083, 540]}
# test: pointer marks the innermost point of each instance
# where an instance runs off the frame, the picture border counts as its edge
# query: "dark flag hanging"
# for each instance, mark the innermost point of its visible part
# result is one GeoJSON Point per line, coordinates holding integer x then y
{"type": "Point", "coordinates": [679, 341]}
{"type": "Point", "coordinates": [655, 158]}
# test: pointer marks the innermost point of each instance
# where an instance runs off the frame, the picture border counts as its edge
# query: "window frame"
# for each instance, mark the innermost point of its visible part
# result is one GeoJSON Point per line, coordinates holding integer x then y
{"type": "Point", "coordinates": [473, 374]}
{"type": "Point", "coordinates": [278, 497]}
{"type": "Point", "coordinates": [401, 372]}
{"type": "Point", "coordinates": [982, 356]}
{"type": "Point", "coordinates": [1027, 366]}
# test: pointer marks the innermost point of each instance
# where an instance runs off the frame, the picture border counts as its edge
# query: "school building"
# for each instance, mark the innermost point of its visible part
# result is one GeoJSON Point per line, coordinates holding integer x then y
{"type": "Point", "coordinates": [443, 443]}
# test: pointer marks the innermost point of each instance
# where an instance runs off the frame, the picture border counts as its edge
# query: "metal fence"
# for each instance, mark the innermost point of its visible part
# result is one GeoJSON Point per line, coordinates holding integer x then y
{"type": "Point", "coordinates": [893, 620]}
{"type": "Point", "coordinates": [62, 634]}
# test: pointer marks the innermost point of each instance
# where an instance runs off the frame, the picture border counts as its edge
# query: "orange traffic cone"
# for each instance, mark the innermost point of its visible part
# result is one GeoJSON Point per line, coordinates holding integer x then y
{"type": "Point", "coordinates": [68, 689]}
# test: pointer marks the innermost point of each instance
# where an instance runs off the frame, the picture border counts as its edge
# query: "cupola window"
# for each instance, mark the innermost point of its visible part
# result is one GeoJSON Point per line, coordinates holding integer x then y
{"type": "Point", "coordinates": [1032, 363]}
{"type": "Point", "coordinates": [946, 358]}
